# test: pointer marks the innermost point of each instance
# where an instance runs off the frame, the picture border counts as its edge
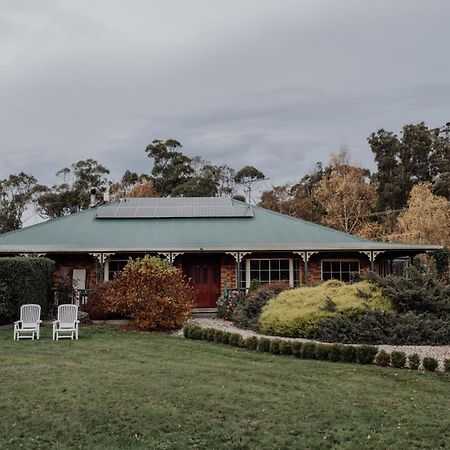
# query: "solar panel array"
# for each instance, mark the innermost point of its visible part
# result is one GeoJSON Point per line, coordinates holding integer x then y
{"type": "Point", "coordinates": [187, 207]}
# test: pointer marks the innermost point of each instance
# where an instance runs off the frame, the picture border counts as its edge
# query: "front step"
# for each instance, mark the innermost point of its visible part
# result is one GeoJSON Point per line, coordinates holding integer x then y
{"type": "Point", "coordinates": [198, 313]}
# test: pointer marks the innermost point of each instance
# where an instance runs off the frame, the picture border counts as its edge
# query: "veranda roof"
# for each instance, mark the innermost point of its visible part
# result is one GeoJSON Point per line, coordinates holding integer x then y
{"type": "Point", "coordinates": [245, 228]}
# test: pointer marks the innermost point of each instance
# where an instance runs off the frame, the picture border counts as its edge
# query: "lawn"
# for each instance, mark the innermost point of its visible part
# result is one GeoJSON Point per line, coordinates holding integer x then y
{"type": "Point", "coordinates": [116, 389]}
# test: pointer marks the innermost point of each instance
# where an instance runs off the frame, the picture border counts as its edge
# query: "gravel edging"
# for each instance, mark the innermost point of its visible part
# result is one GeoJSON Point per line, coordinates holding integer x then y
{"type": "Point", "coordinates": [440, 352]}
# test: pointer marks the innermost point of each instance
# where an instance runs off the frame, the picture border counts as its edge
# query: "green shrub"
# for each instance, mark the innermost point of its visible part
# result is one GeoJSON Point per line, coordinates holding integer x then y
{"type": "Point", "coordinates": [334, 352]}
{"type": "Point", "coordinates": [398, 359]}
{"type": "Point", "coordinates": [300, 312]}
{"type": "Point", "coordinates": [210, 334]}
{"type": "Point", "coordinates": [251, 343]}
{"type": "Point", "coordinates": [205, 334]}
{"type": "Point", "coordinates": [365, 353]}
{"type": "Point", "coordinates": [414, 361]}
{"type": "Point", "coordinates": [235, 339]}
{"type": "Point", "coordinates": [322, 352]}
{"type": "Point", "coordinates": [297, 348]}
{"type": "Point", "coordinates": [24, 280]}
{"type": "Point", "coordinates": [275, 346]}
{"type": "Point", "coordinates": [226, 304]}
{"type": "Point", "coordinates": [348, 353]}
{"type": "Point", "coordinates": [430, 364]}
{"type": "Point", "coordinates": [383, 358]}
{"type": "Point", "coordinates": [285, 347]}
{"type": "Point", "coordinates": [309, 350]}
{"type": "Point", "coordinates": [263, 344]}
{"type": "Point", "coordinates": [226, 338]}
{"type": "Point", "coordinates": [218, 336]}
{"type": "Point", "coordinates": [447, 365]}
{"type": "Point", "coordinates": [187, 331]}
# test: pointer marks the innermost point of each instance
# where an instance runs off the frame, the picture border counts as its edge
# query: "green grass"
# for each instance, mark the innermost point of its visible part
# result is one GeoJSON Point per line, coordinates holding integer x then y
{"type": "Point", "coordinates": [297, 312]}
{"type": "Point", "coordinates": [115, 389]}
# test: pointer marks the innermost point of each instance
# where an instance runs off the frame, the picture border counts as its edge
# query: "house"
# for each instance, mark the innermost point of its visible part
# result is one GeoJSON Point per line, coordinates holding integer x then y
{"type": "Point", "coordinates": [218, 242]}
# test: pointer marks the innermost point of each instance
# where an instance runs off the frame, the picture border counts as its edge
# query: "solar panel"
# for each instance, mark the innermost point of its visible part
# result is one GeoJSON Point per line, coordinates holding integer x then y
{"type": "Point", "coordinates": [187, 207]}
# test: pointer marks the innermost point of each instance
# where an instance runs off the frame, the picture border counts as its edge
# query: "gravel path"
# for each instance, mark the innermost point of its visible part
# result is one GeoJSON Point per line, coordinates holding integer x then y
{"type": "Point", "coordinates": [440, 352]}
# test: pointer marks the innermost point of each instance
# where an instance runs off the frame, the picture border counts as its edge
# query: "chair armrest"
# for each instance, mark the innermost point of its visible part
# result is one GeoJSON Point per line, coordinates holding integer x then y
{"type": "Point", "coordinates": [17, 322]}
{"type": "Point", "coordinates": [77, 321]}
{"type": "Point", "coordinates": [55, 322]}
{"type": "Point", "coordinates": [39, 321]}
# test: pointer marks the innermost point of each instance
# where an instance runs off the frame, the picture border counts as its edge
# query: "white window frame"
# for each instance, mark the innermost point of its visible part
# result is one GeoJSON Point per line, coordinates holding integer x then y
{"type": "Point", "coordinates": [106, 267]}
{"type": "Point", "coordinates": [247, 269]}
{"type": "Point", "coordinates": [340, 260]}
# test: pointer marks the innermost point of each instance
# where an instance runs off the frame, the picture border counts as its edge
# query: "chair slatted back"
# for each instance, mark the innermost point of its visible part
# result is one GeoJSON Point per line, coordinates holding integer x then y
{"type": "Point", "coordinates": [67, 314]}
{"type": "Point", "coordinates": [30, 314]}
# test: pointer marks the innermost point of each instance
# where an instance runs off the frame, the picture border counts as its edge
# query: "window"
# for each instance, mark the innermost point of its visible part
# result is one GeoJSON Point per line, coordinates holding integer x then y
{"type": "Point", "coordinates": [269, 271]}
{"type": "Point", "coordinates": [114, 266]}
{"type": "Point", "coordinates": [341, 270]}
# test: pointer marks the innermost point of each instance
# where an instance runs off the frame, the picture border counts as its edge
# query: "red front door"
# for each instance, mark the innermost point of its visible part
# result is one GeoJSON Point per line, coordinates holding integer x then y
{"type": "Point", "coordinates": [204, 273]}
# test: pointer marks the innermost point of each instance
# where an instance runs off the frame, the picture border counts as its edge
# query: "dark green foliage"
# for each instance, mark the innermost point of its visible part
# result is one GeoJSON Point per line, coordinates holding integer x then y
{"type": "Point", "coordinates": [24, 280]}
{"type": "Point", "coordinates": [447, 365]}
{"type": "Point", "coordinates": [186, 331]}
{"type": "Point", "coordinates": [442, 260]}
{"type": "Point", "coordinates": [297, 348]}
{"type": "Point", "coordinates": [211, 334]}
{"type": "Point", "coordinates": [275, 346]}
{"type": "Point", "coordinates": [430, 364]}
{"type": "Point", "coordinates": [218, 336]}
{"type": "Point", "coordinates": [226, 337]}
{"type": "Point", "coordinates": [226, 304]}
{"type": "Point", "coordinates": [235, 339]}
{"type": "Point", "coordinates": [251, 343]}
{"type": "Point", "coordinates": [398, 359]}
{"type": "Point", "coordinates": [309, 350]}
{"type": "Point", "coordinates": [285, 347]}
{"type": "Point", "coordinates": [322, 352]}
{"type": "Point", "coordinates": [205, 334]}
{"type": "Point", "coordinates": [334, 352]}
{"type": "Point", "coordinates": [383, 358]}
{"type": "Point", "coordinates": [348, 353]}
{"type": "Point", "coordinates": [330, 305]}
{"type": "Point", "coordinates": [414, 361]}
{"type": "Point", "coordinates": [263, 344]}
{"type": "Point", "coordinates": [365, 354]}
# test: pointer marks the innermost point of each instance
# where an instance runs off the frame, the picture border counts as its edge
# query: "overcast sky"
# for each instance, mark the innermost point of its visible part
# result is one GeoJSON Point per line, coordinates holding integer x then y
{"type": "Point", "coordinates": [276, 84]}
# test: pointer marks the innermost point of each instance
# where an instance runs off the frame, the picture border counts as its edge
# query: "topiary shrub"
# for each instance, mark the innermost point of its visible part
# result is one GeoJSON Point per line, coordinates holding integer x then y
{"type": "Point", "coordinates": [285, 348]}
{"type": "Point", "coordinates": [210, 334]}
{"type": "Point", "coordinates": [334, 352]}
{"type": "Point", "coordinates": [263, 345]}
{"type": "Point", "coordinates": [187, 331]}
{"type": "Point", "coordinates": [251, 343]}
{"type": "Point", "coordinates": [398, 359]}
{"type": "Point", "coordinates": [24, 280]}
{"type": "Point", "coordinates": [383, 358]}
{"type": "Point", "coordinates": [430, 364]}
{"type": "Point", "coordinates": [297, 348]}
{"type": "Point", "coordinates": [447, 365]}
{"type": "Point", "coordinates": [348, 353]}
{"type": "Point", "coordinates": [226, 337]}
{"type": "Point", "coordinates": [153, 293]}
{"type": "Point", "coordinates": [196, 333]}
{"type": "Point", "coordinates": [365, 354]}
{"type": "Point", "coordinates": [204, 334]}
{"type": "Point", "coordinates": [218, 336]}
{"type": "Point", "coordinates": [414, 361]}
{"type": "Point", "coordinates": [235, 339]}
{"type": "Point", "coordinates": [322, 352]}
{"type": "Point", "coordinates": [275, 346]}
{"type": "Point", "coordinates": [309, 350]}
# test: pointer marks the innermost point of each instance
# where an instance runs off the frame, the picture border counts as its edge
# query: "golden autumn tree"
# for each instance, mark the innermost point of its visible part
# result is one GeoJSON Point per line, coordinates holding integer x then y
{"type": "Point", "coordinates": [346, 194]}
{"type": "Point", "coordinates": [426, 219]}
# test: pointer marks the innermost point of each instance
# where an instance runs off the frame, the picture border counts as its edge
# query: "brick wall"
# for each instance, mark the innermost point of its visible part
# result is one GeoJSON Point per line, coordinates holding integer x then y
{"type": "Point", "coordinates": [227, 272]}
{"type": "Point", "coordinates": [65, 263]}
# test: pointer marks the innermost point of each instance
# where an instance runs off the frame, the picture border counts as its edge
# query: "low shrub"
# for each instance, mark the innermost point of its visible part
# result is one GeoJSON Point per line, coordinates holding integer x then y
{"type": "Point", "coordinates": [398, 359]}
{"type": "Point", "coordinates": [97, 304]}
{"type": "Point", "coordinates": [348, 353]}
{"type": "Point", "coordinates": [275, 346]}
{"type": "Point", "coordinates": [235, 339]}
{"type": "Point", "coordinates": [297, 348]}
{"type": "Point", "coordinates": [187, 331]}
{"type": "Point", "coordinates": [153, 293]}
{"type": "Point", "coordinates": [263, 344]}
{"type": "Point", "coordinates": [309, 350]}
{"type": "Point", "coordinates": [210, 334]}
{"type": "Point", "coordinates": [414, 361]}
{"type": "Point", "coordinates": [334, 352]}
{"type": "Point", "coordinates": [383, 358]}
{"type": "Point", "coordinates": [218, 336]}
{"type": "Point", "coordinates": [285, 347]}
{"type": "Point", "coordinates": [205, 334]}
{"type": "Point", "coordinates": [227, 304]}
{"type": "Point", "coordinates": [447, 365]}
{"type": "Point", "coordinates": [251, 343]}
{"type": "Point", "coordinates": [365, 354]}
{"type": "Point", "coordinates": [430, 364]}
{"type": "Point", "coordinates": [226, 337]}
{"type": "Point", "coordinates": [322, 352]}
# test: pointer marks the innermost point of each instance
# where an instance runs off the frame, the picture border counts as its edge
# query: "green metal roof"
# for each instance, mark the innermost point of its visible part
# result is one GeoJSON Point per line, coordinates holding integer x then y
{"type": "Point", "coordinates": [266, 230]}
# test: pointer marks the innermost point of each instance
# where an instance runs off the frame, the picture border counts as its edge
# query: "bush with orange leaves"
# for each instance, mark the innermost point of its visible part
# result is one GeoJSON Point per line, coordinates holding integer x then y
{"type": "Point", "coordinates": [153, 293]}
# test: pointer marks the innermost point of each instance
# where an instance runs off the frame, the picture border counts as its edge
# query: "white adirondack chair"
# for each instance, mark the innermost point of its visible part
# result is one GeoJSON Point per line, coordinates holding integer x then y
{"type": "Point", "coordinates": [66, 326]}
{"type": "Point", "coordinates": [28, 325]}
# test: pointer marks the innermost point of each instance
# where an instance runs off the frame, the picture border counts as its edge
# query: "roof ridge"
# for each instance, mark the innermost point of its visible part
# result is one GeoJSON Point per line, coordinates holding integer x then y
{"type": "Point", "coordinates": [314, 224]}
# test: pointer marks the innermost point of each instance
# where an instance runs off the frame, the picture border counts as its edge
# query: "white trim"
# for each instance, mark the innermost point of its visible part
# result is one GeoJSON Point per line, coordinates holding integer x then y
{"type": "Point", "coordinates": [340, 260]}
{"type": "Point", "coordinates": [106, 270]}
{"type": "Point", "coordinates": [247, 269]}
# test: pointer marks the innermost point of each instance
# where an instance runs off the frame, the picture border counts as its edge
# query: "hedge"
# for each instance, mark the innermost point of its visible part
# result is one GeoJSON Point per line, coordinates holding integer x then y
{"type": "Point", "coordinates": [24, 280]}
